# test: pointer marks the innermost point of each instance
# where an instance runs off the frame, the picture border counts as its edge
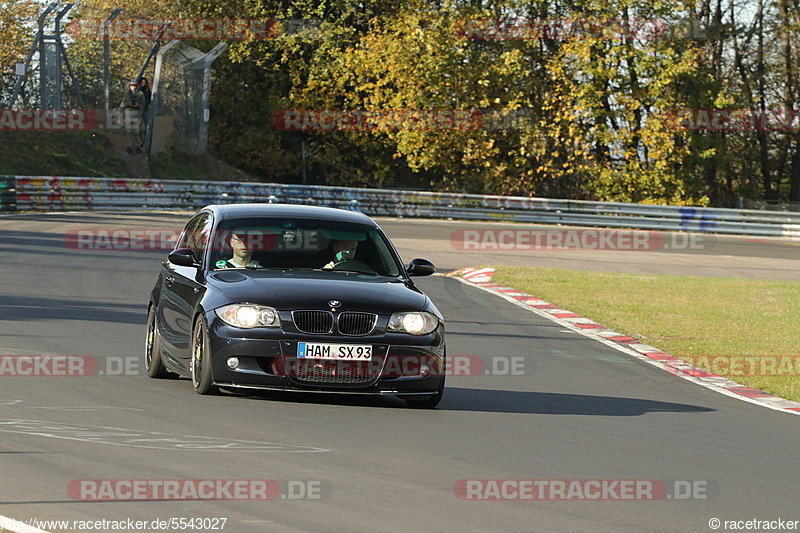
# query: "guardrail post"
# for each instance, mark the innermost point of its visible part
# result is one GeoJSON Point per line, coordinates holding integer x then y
{"type": "Point", "coordinates": [8, 194]}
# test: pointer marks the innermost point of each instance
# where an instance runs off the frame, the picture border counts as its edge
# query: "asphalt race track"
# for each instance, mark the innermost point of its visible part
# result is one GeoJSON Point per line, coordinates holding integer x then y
{"type": "Point", "coordinates": [574, 409]}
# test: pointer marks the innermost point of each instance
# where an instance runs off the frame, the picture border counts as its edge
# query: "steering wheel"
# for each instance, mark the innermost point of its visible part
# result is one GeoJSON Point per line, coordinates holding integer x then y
{"type": "Point", "coordinates": [354, 264]}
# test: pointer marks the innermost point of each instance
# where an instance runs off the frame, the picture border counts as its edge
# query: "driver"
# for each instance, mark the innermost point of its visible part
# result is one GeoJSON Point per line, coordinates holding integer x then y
{"type": "Point", "coordinates": [342, 251]}
{"type": "Point", "coordinates": [241, 242]}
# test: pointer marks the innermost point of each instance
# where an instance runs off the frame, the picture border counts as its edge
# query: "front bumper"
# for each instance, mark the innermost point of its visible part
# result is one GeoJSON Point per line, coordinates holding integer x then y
{"type": "Point", "coordinates": [268, 361]}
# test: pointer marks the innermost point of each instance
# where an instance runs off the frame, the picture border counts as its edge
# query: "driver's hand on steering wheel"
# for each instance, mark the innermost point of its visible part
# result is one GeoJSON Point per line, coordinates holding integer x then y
{"type": "Point", "coordinates": [342, 251]}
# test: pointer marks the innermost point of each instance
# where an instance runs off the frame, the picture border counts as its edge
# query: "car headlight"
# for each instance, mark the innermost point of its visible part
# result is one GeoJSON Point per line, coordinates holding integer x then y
{"type": "Point", "coordinates": [415, 322]}
{"type": "Point", "coordinates": [249, 316]}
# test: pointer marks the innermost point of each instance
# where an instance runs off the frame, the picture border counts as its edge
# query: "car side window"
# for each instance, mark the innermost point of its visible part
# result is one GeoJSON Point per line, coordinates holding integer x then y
{"type": "Point", "coordinates": [200, 241]}
{"type": "Point", "coordinates": [188, 231]}
{"type": "Point", "coordinates": [195, 236]}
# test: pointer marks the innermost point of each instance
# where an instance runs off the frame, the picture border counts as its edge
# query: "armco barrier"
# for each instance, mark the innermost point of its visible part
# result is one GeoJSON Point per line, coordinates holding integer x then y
{"type": "Point", "coordinates": [8, 194]}
{"type": "Point", "coordinates": [37, 193]}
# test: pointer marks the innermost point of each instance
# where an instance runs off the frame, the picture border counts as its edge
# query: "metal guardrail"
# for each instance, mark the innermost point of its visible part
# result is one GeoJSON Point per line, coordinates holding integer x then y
{"type": "Point", "coordinates": [37, 193]}
{"type": "Point", "coordinates": [8, 194]}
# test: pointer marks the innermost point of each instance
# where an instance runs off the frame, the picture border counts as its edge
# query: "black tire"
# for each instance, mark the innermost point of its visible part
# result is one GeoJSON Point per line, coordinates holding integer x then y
{"type": "Point", "coordinates": [426, 402]}
{"type": "Point", "coordinates": [200, 364]}
{"type": "Point", "coordinates": [152, 349]}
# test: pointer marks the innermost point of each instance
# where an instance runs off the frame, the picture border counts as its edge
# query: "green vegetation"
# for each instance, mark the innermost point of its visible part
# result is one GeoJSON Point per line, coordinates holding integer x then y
{"type": "Point", "coordinates": [687, 317]}
{"type": "Point", "coordinates": [58, 154]}
{"type": "Point", "coordinates": [86, 154]}
{"type": "Point", "coordinates": [592, 95]}
{"type": "Point", "coordinates": [586, 99]}
{"type": "Point", "coordinates": [178, 166]}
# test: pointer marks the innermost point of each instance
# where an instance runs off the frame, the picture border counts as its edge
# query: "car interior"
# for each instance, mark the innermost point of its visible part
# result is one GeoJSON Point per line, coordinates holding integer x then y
{"type": "Point", "coordinates": [305, 248]}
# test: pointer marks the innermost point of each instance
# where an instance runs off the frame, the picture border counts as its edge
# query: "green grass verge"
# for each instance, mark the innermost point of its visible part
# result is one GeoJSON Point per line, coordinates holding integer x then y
{"type": "Point", "coordinates": [58, 154]}
{"type": "Point", "coordinates": [92, 154]}
{"type": "Point", "coordinates": [714, 323]}
{"type": "Point", "coordinates": [179, 166]}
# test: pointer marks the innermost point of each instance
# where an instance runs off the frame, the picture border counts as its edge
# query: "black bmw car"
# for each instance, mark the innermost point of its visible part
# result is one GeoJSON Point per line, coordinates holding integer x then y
{"type": "Point", "coordinates": [294, 298]}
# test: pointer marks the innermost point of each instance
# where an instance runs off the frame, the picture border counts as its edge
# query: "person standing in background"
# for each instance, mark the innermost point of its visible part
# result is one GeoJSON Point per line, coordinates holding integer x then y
{"type": "Point", "coordinates": [144, 86]}
{"type": "Point", "coordinates": [131, 107]}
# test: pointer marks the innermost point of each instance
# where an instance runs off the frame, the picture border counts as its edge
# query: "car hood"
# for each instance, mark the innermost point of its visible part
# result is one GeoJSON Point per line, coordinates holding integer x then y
{"type": "Point", "coordinates": [286, 290]}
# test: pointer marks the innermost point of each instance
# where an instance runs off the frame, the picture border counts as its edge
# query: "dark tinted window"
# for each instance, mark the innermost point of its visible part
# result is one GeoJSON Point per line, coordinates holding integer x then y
{"type": "Point", "coordinates": [306, 244]}
{"type": "Point", "coordinates": [196, 233]}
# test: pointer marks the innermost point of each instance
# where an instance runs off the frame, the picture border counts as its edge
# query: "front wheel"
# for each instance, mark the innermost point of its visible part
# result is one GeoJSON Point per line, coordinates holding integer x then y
{"type": "Point", "coordinates": [201, 359]}
{"type": "Point", "coordinates": [426, 402]}
{"type": "Point", "coordinates": [152, 349]}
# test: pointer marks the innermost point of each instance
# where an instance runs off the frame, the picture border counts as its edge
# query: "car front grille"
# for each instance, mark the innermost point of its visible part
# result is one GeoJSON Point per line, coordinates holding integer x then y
{"type": "Point", "coordinates": [334, 372]}
{"type": "Point", "coordinates": [356, 323]}
{"type": "Point", "coordinates": [315, 322]}
{"type": "Point", "coordinates": [321, 322]}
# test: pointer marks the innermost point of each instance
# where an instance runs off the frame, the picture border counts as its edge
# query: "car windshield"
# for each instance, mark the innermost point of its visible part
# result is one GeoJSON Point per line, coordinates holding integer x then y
{"type": "Point", "coordinates": [301, 244]}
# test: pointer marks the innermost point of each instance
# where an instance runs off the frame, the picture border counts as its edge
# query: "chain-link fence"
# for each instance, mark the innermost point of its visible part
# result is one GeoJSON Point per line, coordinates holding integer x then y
{"type": "Point", "coordinates": [180, 97]}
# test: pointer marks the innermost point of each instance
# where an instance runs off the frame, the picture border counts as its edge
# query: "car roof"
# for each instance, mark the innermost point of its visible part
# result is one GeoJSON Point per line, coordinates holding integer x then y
{"type": "Point", "coordinates": [229, 211]}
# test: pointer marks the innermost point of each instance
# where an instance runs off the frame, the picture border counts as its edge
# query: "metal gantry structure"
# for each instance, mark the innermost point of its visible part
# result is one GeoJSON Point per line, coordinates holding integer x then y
{"type": "Point", "coordinates": [52, 58]}
{"type": "Point", "coordinates": [107, 62]}
{"type": "Point", "coordinates": [186, 93]}
{"type": "Point", "coordinates": [185, 96]}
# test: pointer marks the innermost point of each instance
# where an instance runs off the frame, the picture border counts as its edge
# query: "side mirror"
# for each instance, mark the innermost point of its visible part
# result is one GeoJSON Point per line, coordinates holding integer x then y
{"type": "Point", "coordinates": [420, 267]}
{"type": "Point", "coordinates": [183, 257]}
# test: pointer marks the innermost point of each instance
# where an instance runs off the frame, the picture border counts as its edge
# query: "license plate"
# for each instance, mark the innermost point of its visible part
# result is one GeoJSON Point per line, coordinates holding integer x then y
{"type": "Point", "coordinates": [337, 352]}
